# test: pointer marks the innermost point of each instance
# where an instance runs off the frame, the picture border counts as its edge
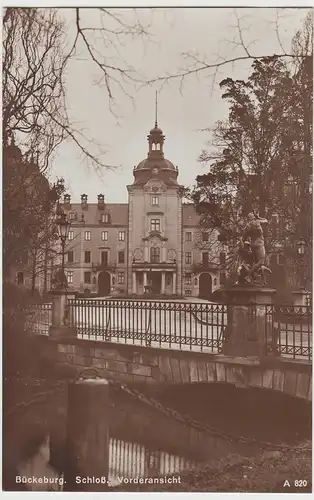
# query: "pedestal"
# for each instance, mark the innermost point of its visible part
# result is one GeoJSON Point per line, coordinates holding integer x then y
{"type": "Point", "coordinates": [249, 324]}
{"type": "Point", "coordinates": [59, 327]}
{"type": "Point", "coordinates": [87, 436]}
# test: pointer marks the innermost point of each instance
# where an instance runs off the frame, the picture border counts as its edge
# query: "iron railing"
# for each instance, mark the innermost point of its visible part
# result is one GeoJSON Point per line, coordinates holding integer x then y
{"type": "Point", "coordinates": [154, 323]}
{"type": "Point", "coordinates": [39, 318]}
{"type": "Point", "coordinates": [287, 330]}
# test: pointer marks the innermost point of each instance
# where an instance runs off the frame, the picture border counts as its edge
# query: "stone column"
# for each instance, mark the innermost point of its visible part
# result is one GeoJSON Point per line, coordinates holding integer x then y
{"type": "Point", "coordinates": [163, 282]}
{"type": "Point", "coordinates": [134, 282]}
{"type": "Point", "coordinates": [87, 435]}
{"type": "Point", "coordinates": [249, 321]}
{"type": "Point", "coordinates": [145, 279]}
{"type": "Point", "coordinates": [174, 283]}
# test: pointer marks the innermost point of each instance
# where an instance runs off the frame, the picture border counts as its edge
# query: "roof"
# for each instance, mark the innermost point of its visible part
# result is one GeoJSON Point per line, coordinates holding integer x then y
{"type": "Point", "coordinates": [189, 215]}
{"type": "Point", "coordinates": [92, 215]}
{"type": "Point", "coordinates": [158, 161]}
{"type": "Point", "coordinates": [119, 213]}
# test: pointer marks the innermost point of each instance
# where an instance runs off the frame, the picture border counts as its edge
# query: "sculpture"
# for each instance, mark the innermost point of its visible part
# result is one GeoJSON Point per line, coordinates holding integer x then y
{"type": "Point", "coordinates": [252, 253]}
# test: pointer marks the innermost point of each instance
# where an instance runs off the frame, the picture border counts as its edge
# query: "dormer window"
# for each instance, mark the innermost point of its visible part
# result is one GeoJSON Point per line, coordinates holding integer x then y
{"type": "Point", "coordinates": [105, 218]}
{"type": "Point", "coordinates": [84, 200]}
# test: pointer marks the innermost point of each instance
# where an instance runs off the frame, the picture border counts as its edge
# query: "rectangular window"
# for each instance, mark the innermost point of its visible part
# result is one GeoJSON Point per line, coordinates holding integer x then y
{"type": "Point", "coordinates": [121, 236]}
{"type": "Point", "coordinates": [188, 279]}
{"type": "Point", "coordinates": [155, 201]}
{"type": "Point", "coordinates": [105, 218]}
{"type": "Point", "coordinates": [188, 236]}
{"type": "Point", "coordinates": [222, 258]}
{"type": "Point", "coordinates": [72, 216]}
{"type": "Point", "coordinates": [121, 257]}
{"type": "Point", "coordinates": [155, 254]}
{"type": "Point", "coordinates": [205, 236]}
{"type": "Point", "coordinates": [87, 277]}
{"type": "Point", "coordinates": [205, 258]}
{"type": "Point", "coordinates": [155, 225]}
{"type": "Point", "coordinates": [104, 235]}
{"type": "Point", "coordinates": [70, 276]}
{"type": "Point", "coordinates": [121, 278]}
{"type": "Point", "coordinates": [87, 235]}
{"type": "Point", "coordinates": [87, 257]}
{"type": "Point", "coordinates": [188, 257]}
{"type": "Point", "coordinates": [71, 235]}
{"type": "Point", "coordinates": [70, 256]}
{"type": "Point", "coordinates": [104, 258]}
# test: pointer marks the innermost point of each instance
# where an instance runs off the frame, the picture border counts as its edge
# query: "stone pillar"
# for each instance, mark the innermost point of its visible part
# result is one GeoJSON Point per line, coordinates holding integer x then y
{"type": "Point", "coordinates": [59, 327]}
{"type": "Point", "coordinates": [87, 435]}
{"type": "Point", "coordinates": [145, 279]}
{"type": "Point", "coordinates": [163, 282]}
{"type": "Point", "coordinates": [134, 282]}
{"type": "Point", "coordinates": [174, 283]}
{"type": "Point", "coordinates": [164, 254]}
{"type": "Point", "coordinates": [146, 253]}
{"type": "Point", "coordinates": [249, 320]}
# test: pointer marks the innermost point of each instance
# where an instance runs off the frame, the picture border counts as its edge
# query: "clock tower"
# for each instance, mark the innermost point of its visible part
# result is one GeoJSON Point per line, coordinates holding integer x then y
{"type": "Point", "coordinates": [155, 223]}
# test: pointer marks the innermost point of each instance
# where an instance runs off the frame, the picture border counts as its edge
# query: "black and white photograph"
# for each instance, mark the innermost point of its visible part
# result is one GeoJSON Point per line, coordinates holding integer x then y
{"type": "Point", "coordinates": [157, 248]}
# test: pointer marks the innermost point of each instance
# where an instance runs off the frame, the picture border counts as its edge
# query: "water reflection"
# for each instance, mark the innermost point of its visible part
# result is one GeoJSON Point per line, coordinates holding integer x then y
{"type": "Point", "coordinates": [143, 443]}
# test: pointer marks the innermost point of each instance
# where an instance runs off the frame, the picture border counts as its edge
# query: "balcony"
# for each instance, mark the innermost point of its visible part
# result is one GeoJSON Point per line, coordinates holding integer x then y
{"type": "Point", "coordinates": [103, 266]}
{"type": "Point", "coordinates": [154, 265]}
{"type": "Point", "coordinates": [201, 267]}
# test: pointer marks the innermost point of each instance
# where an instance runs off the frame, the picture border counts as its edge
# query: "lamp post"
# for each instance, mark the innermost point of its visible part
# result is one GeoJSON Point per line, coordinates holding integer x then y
{"type": "Point", "coordinates": [63, 230]}
{"type": "Point", "coordinates": [301, 246]}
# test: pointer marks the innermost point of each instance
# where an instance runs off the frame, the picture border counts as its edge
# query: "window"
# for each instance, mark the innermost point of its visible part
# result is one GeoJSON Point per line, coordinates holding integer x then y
{"type": "Point", "coordinates": [87, 235]}
{"type": "Point", "coordinates": [205, 236]}
{"type": "Point", "coordinates": [195, 281]}
{"type": "Point", "coordinates": [205, 258]}
{"type": "Point", "coordinates": [71, 235]}
{"type": "Point", "coordinates": [70, 276]}
{"type": "Point", "coordinates": [87, 277]}
{"type": "Point", "coordinates": [104, 258]}
{"type": "Point", "coordinates": [121, 278]}
{"type": "Point", "coordinates": [222, 258]}
{"type": "Point", "coordinates": [188, 257]}
{"type": "Point", "coordinates": [155, 225]}
{"type": "Point", "coordinates": [104, 235]}
{"type": "Point", "coordinates": [155, 254]}
{"type": "Point", "coordinates": [70, 256]}
{"type": "Point", "coordinates": [188, 292]}
{"type": "Point", "coordinates": [121, 257]}
{"type": "Point", "coordinates": [20, 278]}
{"type": "Point", "coordinates": [72, 215]}
{"type": "Point", "coordinates": [188, 279]}
{"type": "Point", "coordinates": [105, 218]}
{"type": "Point", "coordinates": [121, 236]}
{"type": "Point", "coordinates": [188, 236]}
{"type": "Point", "coordinates": [87, 257]}
{"type": "Point", "coordinates": [155, 200]}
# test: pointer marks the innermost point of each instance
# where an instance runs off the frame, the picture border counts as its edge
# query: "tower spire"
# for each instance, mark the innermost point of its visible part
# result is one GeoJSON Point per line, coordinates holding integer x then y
{"type": "Point", "coordinates": [156, 112]}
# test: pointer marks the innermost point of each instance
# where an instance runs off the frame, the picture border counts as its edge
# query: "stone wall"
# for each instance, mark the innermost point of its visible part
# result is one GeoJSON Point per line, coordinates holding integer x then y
{"type": "Point", "coordinates": [130, 364]}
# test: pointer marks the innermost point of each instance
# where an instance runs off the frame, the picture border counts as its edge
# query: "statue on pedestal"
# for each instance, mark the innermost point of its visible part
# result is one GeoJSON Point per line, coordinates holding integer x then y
{"type": "Point", "coordinates": [251, 253]}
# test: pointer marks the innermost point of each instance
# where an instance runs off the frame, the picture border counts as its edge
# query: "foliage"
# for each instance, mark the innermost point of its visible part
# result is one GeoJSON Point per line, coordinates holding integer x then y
{"type": "Point", "coordinates": [262, 156]}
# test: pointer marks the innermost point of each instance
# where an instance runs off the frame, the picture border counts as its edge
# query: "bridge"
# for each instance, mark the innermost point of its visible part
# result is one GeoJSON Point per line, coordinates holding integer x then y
{"type": "Point", "coordinates": [162, 342]}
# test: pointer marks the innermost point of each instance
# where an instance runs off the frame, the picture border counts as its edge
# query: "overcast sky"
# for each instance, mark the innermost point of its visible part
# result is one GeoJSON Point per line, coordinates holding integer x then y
{"type": "Point", "coordinates": [208, 32]}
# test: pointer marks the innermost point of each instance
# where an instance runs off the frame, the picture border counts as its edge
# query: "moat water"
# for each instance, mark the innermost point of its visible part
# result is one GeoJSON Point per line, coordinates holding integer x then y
{"type": "Point", "coordinates": [145, 442]}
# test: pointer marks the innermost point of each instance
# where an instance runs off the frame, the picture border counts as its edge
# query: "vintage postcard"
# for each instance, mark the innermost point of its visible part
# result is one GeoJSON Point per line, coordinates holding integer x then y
{"type": "Point", "coordinates": [157, 249]}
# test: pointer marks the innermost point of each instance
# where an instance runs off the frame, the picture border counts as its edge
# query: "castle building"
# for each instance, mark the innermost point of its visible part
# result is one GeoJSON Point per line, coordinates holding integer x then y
{"type": "Point", "coordinates": [152, 244]}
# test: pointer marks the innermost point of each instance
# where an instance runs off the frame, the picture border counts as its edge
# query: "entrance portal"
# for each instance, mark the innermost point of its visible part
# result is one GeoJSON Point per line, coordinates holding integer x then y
{"type": "Point", "coordinates": [104, 283]}
{"type": "Point", "coordinates": [155, 278]}
{"type": "Point", "coordinates": [205, 286]}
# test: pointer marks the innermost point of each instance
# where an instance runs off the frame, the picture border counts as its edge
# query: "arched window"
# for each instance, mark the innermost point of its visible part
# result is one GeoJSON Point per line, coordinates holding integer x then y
{"type": "Point", "coordinates": [155, 254]}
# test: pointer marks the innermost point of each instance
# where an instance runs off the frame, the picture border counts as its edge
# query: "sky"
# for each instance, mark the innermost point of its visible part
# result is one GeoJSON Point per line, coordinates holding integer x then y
{"type": "Point", "coordinates": [183, 113]}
